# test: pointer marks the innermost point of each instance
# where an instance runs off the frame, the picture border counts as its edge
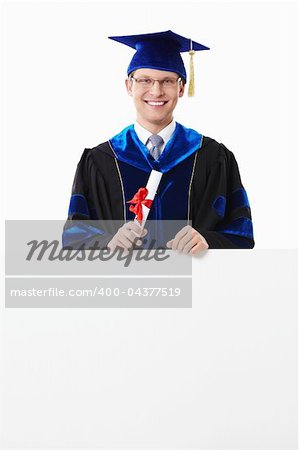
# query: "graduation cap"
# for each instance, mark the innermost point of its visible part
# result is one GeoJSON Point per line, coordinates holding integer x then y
{"type": "Point", "coordinates": [161, 51]}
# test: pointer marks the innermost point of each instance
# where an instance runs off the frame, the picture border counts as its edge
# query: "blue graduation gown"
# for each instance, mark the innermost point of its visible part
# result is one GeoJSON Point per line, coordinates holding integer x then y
{"type": "Point", "coordinates": [201, 185]}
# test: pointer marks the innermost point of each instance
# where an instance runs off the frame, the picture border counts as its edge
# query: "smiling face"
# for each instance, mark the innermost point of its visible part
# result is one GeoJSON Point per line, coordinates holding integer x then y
{"type": "Point", "coordinates": [154, 104]}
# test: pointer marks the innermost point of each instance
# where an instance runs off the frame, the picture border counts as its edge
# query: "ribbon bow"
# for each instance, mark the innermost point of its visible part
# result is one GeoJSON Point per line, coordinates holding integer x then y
{"type": "Point", "coordinates": [138, 200]}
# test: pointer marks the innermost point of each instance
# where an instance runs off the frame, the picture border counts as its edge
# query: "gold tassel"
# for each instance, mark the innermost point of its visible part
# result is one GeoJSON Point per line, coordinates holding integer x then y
{"type": "Point", "coordinates": [191, 82]}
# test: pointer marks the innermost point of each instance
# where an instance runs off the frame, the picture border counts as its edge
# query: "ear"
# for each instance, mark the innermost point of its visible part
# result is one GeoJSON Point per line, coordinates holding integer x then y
{"type": "Point", "coordinates": [182, 89]}
{"type": "Point", "coordinates": [129, 86]}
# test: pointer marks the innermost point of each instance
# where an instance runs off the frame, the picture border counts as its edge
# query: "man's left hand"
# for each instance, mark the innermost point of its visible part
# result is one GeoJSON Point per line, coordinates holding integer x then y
{"type": "Point", "coordinates": [188, 241]}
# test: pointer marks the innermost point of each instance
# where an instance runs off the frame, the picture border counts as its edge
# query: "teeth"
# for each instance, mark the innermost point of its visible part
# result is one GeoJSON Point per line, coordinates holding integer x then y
{"type": "Point", "coordinates": [156, 103]}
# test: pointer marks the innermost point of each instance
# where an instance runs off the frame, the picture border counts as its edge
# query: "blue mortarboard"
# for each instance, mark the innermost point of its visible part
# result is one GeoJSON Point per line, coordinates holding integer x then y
{"type": "Point", "coordinates": [161, 51]}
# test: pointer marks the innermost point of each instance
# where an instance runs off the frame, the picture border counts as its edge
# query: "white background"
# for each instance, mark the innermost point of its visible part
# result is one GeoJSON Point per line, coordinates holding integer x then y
{"type": "Point", "coordinates": [219, 375]}
{"type": "Point", "coordinates": [64, 91]}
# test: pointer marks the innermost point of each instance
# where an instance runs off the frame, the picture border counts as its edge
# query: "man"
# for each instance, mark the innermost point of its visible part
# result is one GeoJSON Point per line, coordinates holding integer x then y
{"type": "Point", "coordinates": [200, 183]}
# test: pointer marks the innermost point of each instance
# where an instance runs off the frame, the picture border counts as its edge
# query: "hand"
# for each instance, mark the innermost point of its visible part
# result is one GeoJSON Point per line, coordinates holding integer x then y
{"type": "Point", "coordinates": [189, 241]}
{"type": "Point", "coordinates": [126, 236]}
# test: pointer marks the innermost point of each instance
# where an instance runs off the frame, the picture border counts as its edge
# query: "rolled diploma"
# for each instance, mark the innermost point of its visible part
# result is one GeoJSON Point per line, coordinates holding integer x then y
{"type": "Point", "coordinates": [152, 186]}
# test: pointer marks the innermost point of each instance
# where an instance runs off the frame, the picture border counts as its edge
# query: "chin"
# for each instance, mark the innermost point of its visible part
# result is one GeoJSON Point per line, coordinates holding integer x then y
{"type": "Point", "coordinates": [157, 118]}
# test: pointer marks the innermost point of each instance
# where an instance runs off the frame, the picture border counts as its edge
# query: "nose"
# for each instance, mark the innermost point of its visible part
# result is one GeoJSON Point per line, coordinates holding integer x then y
{"type": "Point", "coordinates": [156, 89]}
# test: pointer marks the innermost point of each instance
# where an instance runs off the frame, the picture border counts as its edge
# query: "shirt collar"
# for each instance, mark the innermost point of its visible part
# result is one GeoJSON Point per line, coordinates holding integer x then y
{"type": "Point", "coordinates": [143, 134]}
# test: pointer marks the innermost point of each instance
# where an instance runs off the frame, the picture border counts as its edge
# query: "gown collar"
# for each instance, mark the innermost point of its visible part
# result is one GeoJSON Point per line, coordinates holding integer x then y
{"type": "Point", "coordinates": [128, 148]}
{"type": "Point", "coordinates": [143, 134]}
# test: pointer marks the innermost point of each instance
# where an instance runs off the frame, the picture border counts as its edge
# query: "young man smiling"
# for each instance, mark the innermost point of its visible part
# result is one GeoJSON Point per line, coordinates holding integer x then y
{"type": "Point", "coordinates": [200, 184]}
{"type": "Point", "coordinates": [155, 94]}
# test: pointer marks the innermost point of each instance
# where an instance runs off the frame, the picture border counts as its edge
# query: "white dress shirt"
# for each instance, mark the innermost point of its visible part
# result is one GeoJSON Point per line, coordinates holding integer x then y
{"type": "Point", "coordinates": [143, 134]}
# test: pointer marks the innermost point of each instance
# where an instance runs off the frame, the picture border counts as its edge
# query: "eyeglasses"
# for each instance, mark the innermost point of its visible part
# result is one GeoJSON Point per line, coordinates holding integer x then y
{"type": "Point", "coordinates": [147, 83]}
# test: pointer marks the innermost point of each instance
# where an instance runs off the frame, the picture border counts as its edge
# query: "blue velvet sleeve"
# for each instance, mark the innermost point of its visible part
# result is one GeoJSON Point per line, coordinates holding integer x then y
{"type": "Point", "coordinates": [83, 229]}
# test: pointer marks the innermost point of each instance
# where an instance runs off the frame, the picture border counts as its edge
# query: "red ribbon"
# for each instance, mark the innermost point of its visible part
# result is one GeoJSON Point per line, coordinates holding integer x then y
{"type": "Point", "coordinates": [140, 199]}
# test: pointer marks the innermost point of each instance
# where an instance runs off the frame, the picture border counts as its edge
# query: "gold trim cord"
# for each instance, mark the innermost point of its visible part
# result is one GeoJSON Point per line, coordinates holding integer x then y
{"type": "Point", "coordinates": [191, 82]}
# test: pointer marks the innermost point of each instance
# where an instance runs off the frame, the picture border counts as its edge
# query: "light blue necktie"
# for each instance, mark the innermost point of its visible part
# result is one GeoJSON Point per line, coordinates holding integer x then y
{"type": "Point", "coordinates": [157, 143]}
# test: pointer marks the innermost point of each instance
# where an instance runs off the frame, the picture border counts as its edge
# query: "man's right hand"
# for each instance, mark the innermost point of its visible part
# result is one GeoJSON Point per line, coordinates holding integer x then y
{"type": "Point", "coordinates": [128, 235]}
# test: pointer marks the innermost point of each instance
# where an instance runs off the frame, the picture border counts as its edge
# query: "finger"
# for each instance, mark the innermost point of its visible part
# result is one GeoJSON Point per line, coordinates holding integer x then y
{"type": "Point", "coordinates": [132, 226]}
{"type": "Point", "coordinates": [111, 246]}
{"type": "Point", "coordinates": [198, 248]}
{"type": "Point", "coordinates": [185, 230]}
{"type": "Point", "coordinates": [135, 238]}
{"type": "Point", "coordinates": [138, 242]}
{"type": "Point", "coordinates": [124, 242]}
{"type": "Point", "coordinates": [142, 232]}
{"type": "Point", "coordinates": [191, 244]}
{"type": "Point", "coordinates": [176, 242]}
{"type": "Point", "coordinates": [130, 235]}
{"type": "Point", "coordinates": [169, 243]}
{"type": "Point", "coordinates": [184, 241]}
